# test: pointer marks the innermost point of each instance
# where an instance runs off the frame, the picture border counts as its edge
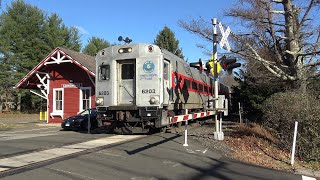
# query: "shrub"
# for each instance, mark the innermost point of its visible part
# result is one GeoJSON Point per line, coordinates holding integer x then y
{"type": "Point", "coordinates": [281, 110]}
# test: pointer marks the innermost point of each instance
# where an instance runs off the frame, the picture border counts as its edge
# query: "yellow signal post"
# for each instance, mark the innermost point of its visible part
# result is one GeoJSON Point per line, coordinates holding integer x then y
{"type": "Point", "coordinates": [211, 63]}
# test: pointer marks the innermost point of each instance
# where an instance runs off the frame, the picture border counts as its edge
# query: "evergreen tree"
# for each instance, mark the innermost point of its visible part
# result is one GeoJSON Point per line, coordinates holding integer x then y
{"type": "Point", "coordinates": [94, 45]}
{"type": "Point", "coordinates": [27, 35]}
{"type": "Point", "coordinates": [58, 34]}
{"type": "Point", "coordinates": [22, 35]}
{"type": "Point", "coordinates": [166, 39]}
{"type": "Point", "coordinates": [73, 41]}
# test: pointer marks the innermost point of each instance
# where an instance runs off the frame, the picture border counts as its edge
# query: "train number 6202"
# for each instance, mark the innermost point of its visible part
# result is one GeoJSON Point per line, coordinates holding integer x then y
{"type": "Point", "coordinates": [148, 91]}
{"type": "Point", "coordinates": [103, 92]}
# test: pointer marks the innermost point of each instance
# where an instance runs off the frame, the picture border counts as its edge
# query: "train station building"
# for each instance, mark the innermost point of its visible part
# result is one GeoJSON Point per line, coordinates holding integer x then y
{"type": "Point", "coordinates": [66, 80]}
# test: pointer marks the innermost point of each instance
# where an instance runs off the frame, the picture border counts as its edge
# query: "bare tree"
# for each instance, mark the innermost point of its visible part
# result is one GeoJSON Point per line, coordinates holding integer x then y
{"type": "Point", "coordinates": [282, 35]}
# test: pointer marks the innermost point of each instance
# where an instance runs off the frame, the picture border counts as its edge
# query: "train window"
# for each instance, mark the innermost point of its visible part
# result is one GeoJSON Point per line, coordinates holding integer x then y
{"type": "Point", "coordinates": [194, 85]}
{"type": "Point", "coordinates": [200, 87]}
{"type": "Point", "coordinates": [104, 73]}
{"type": "Point", "coordinates": [206, 89]}
{"type": "Point", "coordinates": [127, 71]}
{"type": "Point", "coordinates": [165, 71]}
{"type": "Point", "coordinates": [187, 83]}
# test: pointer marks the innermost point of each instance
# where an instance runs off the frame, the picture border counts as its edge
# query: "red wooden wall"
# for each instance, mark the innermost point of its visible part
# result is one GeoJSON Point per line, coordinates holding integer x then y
{"type": "Point", "coordinates": [68, 73]}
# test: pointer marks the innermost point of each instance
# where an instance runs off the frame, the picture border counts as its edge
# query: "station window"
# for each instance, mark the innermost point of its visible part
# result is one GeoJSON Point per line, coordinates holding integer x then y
{"type": "Point", "coordinates": [104, 73]}
{"type": "Point", "coordinates": [58, 99]}
{"type": "Point", "coordinates": [85, 98]}
{"type": "Point", "coordinates": [127, 71]}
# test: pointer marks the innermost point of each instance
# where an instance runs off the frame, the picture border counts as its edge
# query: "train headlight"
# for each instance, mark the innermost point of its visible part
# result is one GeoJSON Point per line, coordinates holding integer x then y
{"type": "Point", "coordinates": [99, 101]}
{"type": "Point", "coordinates": [125, 50]}
{"type": "Point", "coordinates": [154, 100]}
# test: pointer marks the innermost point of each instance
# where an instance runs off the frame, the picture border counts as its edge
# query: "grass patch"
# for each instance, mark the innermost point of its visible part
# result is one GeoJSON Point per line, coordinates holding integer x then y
{"type": "Point", "coordinates": [17, 115]}
{"type": "Point", "coordinates": [6, 127]}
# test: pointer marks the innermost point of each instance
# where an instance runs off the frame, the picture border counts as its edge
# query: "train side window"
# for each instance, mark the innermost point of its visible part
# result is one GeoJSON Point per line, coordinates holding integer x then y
{"type": "Point", "coordinates": [187, 83]}
{"type": "Point", "coordinates": [206, 89]}
{"type": "Point", "coordinates": [104, 73]}
{"type": "Point", "coordinates": [194, 85]}
{"type": "Point", "coordinates": [165, 71]}
{"type": "Point", "coordinates": [127, 71]}
{"type": "Point", "coordinates": [200, 87]}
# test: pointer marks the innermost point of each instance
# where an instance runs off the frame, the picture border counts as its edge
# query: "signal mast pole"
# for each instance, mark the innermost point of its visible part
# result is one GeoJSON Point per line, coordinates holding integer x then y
{"type": "Point", "coordinates": [217, 134]}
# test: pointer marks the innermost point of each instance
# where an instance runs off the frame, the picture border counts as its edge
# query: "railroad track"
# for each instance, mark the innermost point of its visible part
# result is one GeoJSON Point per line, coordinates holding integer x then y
{"type": "Point", "coordinates": [11, 165]}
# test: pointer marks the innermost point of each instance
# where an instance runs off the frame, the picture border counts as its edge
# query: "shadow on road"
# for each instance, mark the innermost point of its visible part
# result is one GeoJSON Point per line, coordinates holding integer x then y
{"type": "Point", "coordinates": [152, 145]}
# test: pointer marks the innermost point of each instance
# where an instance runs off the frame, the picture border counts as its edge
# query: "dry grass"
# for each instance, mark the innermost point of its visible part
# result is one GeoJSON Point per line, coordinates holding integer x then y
{"type": "Point", "coordinates": [255, 130]}
{"type": "Point", "coordinates": [253, 144]}
{"type": "Point", "coordinates": [17, 115]}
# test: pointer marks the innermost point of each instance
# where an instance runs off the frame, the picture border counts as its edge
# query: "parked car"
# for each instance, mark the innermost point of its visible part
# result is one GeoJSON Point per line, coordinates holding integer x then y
{"type": "Point", "coordinates": [80, 121]}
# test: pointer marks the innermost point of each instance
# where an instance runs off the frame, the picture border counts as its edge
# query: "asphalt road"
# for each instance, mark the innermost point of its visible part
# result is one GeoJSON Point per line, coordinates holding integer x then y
{"type": "Point", "coordinates": [158, 156]}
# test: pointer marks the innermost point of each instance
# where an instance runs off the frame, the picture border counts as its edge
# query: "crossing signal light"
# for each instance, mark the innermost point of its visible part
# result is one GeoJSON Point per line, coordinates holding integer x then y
{"type": "Point", "coordinates": [228, 64]}
{"type": "Point", "coordinates": [197, 65]}
{"type": "Point", "coordinates": [210, 67]}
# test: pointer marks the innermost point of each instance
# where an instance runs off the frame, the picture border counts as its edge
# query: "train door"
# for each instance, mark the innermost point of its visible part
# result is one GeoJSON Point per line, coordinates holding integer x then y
{"type": "Point", "coordinates": [166, 82]}
{"type": "Point", "coordinates": [126, 82]}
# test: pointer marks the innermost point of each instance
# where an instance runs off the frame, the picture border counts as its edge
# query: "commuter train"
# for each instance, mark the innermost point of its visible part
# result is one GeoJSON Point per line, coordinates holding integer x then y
{"type": "Point", "coordinates": [144, 86]}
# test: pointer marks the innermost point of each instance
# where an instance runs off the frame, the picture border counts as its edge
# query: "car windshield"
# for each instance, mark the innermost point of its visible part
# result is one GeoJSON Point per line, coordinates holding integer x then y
{"type": "Point", "coordinates": [86, 112]}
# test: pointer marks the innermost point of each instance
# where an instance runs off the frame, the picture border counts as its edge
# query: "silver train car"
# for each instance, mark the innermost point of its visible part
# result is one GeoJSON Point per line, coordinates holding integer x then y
{"type": "Point", "coordinates": [141, 85]}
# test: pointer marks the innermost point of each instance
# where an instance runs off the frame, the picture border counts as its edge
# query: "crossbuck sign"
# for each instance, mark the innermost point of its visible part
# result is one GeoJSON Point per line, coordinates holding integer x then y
{"type": "Point", "coordinates": [224, 39]}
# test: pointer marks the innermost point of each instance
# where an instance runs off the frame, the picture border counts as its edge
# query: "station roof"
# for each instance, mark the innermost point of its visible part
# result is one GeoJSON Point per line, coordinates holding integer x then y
{"type": "Point", "coordinates": [58, 56]}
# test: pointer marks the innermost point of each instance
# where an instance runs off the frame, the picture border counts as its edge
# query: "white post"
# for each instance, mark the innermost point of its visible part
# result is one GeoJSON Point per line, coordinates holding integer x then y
{"type": "Point", "coordinates": [89, 121]}
{"type": "Point", "coordinates": [220, 119]}
{"type": "Point", "coordinates": [186, 130]}
{"type": "Point", "coordinates": [47, 98]}
{"type": "Point", "coordinates": [240, 113]}
{"type": "Point", "coordinates": [294, 142]}
{"type": "Point", "coordinates": [221, 134]}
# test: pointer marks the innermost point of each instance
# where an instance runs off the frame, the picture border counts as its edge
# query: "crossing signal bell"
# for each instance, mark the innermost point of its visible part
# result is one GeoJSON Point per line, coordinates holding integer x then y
{"type": "Point", "coordinates": [197, 65]}
{"type": "Point", "coordinates": [228, 64]}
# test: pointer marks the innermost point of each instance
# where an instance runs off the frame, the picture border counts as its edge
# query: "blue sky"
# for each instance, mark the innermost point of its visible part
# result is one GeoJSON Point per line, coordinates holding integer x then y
{"type": "Point", "coordinates": [141, 20]}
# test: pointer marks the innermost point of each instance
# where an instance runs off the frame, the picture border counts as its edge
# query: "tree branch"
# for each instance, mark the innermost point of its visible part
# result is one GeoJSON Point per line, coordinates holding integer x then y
{"type": "Point", "coordinates": [277, 12]}
{"type": "Point", "coordinates": [313, 64]}
{"type": "Point", "coordinates": [272, 67]}
{"type": "Point", "coordinates": [304, 18]}
{"type": "Point", "coordinates": [302, 54]}
{"type": "Point", "coordinates": [273, 34]}
{"type": "Point", "coordinates": [194, 27]}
